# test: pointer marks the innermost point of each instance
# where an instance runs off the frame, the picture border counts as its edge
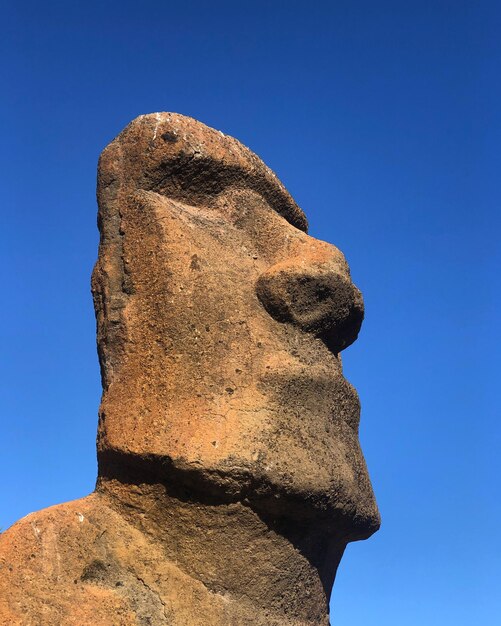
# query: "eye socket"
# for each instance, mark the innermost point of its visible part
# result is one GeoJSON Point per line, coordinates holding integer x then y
{"type": "Point", "coordinates": [199, 180]}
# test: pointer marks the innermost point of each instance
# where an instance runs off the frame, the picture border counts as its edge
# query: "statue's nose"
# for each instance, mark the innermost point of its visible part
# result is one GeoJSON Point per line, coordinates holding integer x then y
{"type": "Point", "coordinates": [318, 297]}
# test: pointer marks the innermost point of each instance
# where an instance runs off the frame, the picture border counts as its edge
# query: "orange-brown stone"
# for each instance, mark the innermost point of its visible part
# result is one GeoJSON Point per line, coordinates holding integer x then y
{"type": "Point", "coordinates": [230, 472]}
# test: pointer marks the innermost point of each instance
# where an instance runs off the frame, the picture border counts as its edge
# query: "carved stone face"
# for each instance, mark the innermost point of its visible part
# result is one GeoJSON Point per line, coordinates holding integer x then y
{"type": "Point", "coordinates": [220, 323]}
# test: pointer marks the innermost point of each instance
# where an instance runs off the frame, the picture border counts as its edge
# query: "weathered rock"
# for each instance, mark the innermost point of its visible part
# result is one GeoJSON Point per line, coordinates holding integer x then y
{"type": "Point", "coordinates": [230, 473]}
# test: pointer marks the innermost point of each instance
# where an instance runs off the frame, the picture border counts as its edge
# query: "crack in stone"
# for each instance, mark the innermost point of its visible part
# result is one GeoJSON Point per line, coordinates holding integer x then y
{"type": "Point", "coordinates": [151, 591]}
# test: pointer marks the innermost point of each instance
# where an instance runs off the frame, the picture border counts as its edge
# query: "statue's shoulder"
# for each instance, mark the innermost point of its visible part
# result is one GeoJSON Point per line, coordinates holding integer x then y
{"type": "Point", "coordinates": [82, 563]}
{"type": "Point", "coordinates": [44, 566]}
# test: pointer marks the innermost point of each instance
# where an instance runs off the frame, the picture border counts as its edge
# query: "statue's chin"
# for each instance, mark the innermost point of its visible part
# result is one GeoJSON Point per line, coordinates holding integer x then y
{"type": "Point", "coordinates": [345, 509]}
{"type": "Point", "coordinates": [342, 507]}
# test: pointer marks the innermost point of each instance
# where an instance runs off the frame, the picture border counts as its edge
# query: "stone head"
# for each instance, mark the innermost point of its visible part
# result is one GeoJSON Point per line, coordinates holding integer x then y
{"type": "Point", "coordinates": [220, 326]}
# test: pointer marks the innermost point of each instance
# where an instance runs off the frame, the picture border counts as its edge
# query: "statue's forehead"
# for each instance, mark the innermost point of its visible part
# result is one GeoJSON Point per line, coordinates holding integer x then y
{"type": "Point", "coordinates": [179, 157]}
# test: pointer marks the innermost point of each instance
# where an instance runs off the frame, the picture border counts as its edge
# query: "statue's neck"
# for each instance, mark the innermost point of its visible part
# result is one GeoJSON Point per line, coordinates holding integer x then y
{"type": "Point", "coordinates": [275, 567]}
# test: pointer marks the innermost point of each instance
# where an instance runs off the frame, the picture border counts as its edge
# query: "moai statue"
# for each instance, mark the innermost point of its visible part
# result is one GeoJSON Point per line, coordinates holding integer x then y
{"type": "Point", "coordinates": [230, 471]}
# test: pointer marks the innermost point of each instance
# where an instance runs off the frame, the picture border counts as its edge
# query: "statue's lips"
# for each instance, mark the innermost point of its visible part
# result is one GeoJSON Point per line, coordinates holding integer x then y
{"type": "Point", "coordinates": [320, 389]}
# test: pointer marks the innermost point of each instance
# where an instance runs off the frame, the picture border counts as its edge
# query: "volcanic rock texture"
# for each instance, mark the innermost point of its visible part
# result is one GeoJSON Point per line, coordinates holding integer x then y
{"type": "Point", "coordinates": [230, 473]}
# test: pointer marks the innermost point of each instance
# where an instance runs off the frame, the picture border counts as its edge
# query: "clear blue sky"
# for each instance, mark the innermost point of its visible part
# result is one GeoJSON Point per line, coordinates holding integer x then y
{"type": "Point", "coordinates": [382, 119]}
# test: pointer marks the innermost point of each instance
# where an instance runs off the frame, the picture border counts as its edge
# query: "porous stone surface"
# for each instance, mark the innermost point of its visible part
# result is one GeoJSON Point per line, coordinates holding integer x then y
{"type": "Point", "coordinates": [230, 472]}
